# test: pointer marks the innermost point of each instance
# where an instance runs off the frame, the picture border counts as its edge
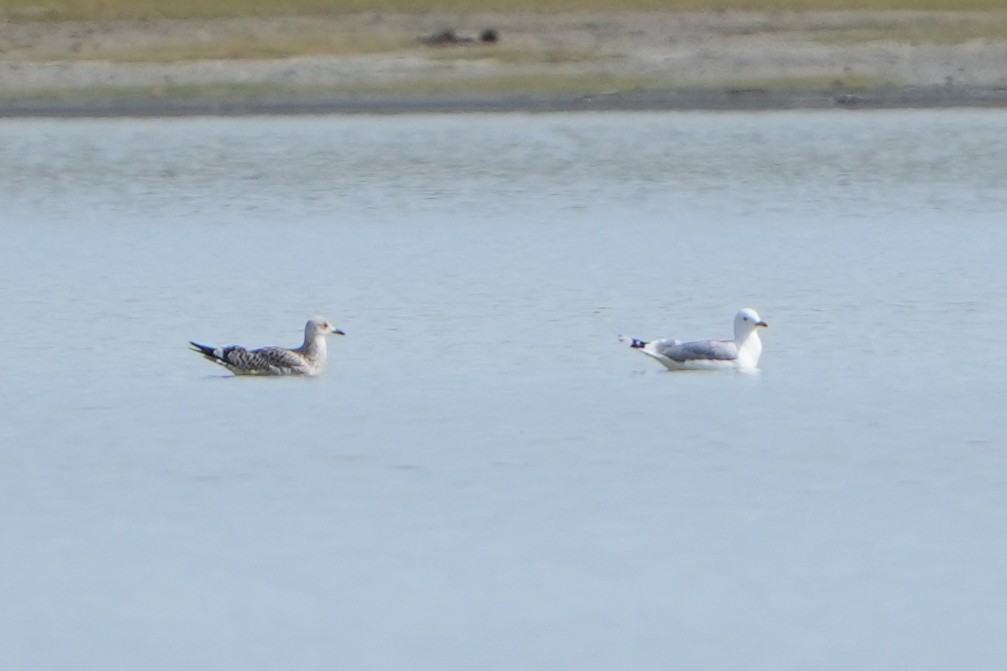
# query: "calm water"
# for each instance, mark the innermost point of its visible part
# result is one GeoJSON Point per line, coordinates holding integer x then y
{"type": "Point", "coordinates": [486, 478]}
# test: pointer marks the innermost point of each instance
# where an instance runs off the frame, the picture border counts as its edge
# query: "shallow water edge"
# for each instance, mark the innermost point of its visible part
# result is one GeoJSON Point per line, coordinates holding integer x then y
{"type": "Point", "coordinates": [143, 105]}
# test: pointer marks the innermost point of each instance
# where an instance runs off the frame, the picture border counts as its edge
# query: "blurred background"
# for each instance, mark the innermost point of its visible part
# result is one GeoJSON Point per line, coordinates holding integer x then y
{"type": "Point", "coordinates": [244, 50]}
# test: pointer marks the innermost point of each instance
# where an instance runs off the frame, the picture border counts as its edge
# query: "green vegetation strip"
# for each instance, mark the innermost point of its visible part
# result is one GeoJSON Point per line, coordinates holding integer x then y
{"type": "Point", "coordinates": [420, 87]}
{"type": "Point", "coordinates": [429, 87]}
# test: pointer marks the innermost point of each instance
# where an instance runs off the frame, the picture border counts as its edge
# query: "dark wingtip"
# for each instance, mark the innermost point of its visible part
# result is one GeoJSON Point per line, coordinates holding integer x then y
{"type": "Point", "coordinates": [633, 342]}
{"type": "Point", "coordinates": [202, 349]}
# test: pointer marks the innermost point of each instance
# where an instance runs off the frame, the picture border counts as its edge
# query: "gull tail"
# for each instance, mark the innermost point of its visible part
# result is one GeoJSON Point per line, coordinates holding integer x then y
{"type": "Point", "coordinates": [633, 342]}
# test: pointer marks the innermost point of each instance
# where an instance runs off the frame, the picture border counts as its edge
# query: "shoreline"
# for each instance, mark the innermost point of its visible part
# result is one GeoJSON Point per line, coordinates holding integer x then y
{"type": "Point", "coordinates": [389, 64]}
{"type": "Point", "coordinates": [936, 97]}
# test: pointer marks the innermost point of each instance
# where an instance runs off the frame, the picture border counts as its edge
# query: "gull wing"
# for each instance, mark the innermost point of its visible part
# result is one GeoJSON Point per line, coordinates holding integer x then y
{"type": "Point", "coordinates": [262, 361]}
{"type": "Point", "coordinates": [269, 361]}
{"type": "Point", "coordinates": [699, 350]}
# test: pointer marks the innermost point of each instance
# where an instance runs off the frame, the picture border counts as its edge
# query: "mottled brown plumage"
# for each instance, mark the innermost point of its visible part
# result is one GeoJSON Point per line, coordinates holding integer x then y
{"type": "Point", "coordinates": [308, 359]}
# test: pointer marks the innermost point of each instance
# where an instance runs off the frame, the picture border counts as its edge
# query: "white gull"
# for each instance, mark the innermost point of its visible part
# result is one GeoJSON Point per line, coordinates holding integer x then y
{"type": "Point", "coordinates": [308, 359]}
{"type": "Point", "coordinates": [743, 352]}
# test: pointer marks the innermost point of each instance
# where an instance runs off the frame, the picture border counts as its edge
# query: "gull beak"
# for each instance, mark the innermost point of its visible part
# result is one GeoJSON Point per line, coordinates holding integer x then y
{"type": "Point", "coordinates": [762, 324]}
{"type": "Point", "coordinates": [337, 332]}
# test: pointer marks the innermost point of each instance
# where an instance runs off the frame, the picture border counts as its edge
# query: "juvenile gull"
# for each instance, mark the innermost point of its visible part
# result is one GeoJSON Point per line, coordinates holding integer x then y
{"type": "Point", "coordinates": [308, 359]}
{"type": "Point", "coordinates": [743, 352]}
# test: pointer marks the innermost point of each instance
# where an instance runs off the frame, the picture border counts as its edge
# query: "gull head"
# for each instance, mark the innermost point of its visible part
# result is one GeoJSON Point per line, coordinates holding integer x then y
{"type": "Point", "coordinates": [320, 326]}
{"type": "Point", "coordinates": [746, 322]}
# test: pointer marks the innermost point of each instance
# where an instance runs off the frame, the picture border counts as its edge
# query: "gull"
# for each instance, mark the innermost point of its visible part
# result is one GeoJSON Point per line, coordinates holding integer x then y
{"type": "Point", "coordinates": [308, 359]}
{"type": "Point", "coordinates": [743, 352]}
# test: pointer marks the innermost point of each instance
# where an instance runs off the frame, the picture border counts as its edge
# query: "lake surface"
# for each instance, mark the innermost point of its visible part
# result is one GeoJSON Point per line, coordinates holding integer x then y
{"type": "Point", "coordinates": [485, 477]}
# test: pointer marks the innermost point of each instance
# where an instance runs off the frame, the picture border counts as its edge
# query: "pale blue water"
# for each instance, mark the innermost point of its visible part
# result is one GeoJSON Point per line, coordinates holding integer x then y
{"type": "Point", "coordinates": [485, 478]}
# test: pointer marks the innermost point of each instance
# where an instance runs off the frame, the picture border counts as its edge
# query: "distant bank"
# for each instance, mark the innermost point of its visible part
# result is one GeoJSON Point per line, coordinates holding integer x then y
{"type": "Point", "coordinates": [435, 62]}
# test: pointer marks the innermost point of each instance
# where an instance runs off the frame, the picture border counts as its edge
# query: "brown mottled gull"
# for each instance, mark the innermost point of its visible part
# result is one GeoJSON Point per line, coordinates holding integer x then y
{"type": "Point", "coordinates": [308, 359]}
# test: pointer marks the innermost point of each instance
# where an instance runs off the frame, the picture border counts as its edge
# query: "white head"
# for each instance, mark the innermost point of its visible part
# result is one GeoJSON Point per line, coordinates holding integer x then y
{"type": "Point", "coordinates": [745, 323]}
{"type": "Point", "coordinates": [319, 326]}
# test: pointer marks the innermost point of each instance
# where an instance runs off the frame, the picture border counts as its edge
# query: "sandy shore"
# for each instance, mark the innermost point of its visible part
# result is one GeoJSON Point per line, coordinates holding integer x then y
{"type": "Point", "coordinates": [380, 63]}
